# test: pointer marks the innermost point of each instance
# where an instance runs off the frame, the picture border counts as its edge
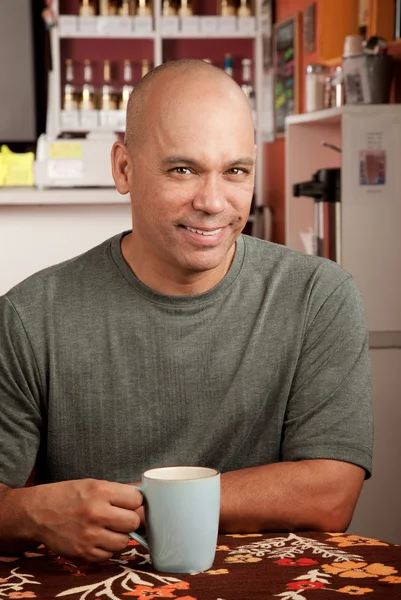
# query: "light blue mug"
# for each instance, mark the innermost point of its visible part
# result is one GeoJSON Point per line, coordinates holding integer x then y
{"type": "Point", "coordinates": [182, 509]}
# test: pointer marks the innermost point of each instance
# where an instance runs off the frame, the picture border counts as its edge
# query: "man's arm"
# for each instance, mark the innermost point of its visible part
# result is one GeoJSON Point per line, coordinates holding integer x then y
{"type": "Point", "coordinates": [86, 519]}
{"type": "Point", "coordinates": [307, 495]}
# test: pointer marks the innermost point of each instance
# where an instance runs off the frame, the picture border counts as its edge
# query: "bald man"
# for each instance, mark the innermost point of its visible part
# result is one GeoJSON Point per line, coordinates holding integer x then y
{"type": "Point", "coordinates": [182, 342]}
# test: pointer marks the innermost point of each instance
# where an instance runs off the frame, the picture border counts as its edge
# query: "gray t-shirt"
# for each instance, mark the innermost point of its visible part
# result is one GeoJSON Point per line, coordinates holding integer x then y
{"type": "Point", "coordinates": [100, 376]}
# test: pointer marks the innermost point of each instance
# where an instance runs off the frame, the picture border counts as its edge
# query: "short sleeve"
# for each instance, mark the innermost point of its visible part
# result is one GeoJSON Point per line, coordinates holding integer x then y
{"type": "Point", "coordinates": [329, 413]}
{"type": "Point", "coordinates": [20, 414]}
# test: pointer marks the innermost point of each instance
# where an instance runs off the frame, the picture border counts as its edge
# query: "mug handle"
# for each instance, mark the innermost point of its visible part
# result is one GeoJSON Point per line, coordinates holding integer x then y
{"type": "Point", "coordinates": [136, 536]}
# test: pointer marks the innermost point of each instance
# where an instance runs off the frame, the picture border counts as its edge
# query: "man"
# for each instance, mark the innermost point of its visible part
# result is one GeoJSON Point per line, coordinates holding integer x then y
{"type": "Point", "coordinates": [182, 342]}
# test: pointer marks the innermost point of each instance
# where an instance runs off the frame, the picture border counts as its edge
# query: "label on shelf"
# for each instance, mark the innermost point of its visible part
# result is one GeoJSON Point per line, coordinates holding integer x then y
{"type": "Point", "coordinates": [112, 119]}
{"type": "Point", "coordinates": [190, 24]}
{"type": "Point", "coordinates": [87, 24]}
{"type": "Point", "coordinates": [69, 120]}
{"type": "Point", "coordinates": [170, 25]}
{"type": "Point", "coordinates": [143, 24]}
{"type": "Point", "coordinates": [246, 25]}
{"type": "Point", "coordinates": [227, 24]}
{"type": "Point", "coordinates": [89, 119]}
{"type": "Point", "coordinates": [209, 24]}
{"type": "Point", "coordinates": [115, 25]}
{"type": "Point", "coordinates": [68, 24]}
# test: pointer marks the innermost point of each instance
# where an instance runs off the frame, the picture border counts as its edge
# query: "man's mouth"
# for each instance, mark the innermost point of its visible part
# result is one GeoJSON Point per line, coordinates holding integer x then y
{"type": "Point", "coordinates": [203, 231]}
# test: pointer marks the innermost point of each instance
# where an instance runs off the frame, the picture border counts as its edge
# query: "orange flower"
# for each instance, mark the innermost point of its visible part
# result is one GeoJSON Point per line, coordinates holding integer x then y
{"type": "Point", "coordinates": [242, 558]}
{"type": "Point", "coordinates": [244, 535]}
{"type": "Point", "coordinates": [353, 590]}
{"type": "Point", "coordinates": [7, 559]}
{"type": "Point", "coordinates": [345, 541]}
{"type": "Point", "coordinates": [218, 572]}
{"type": "Point", "coordinates": [222, 548]}
{"type": "Point", "coordinates": [358, 570]}
{"type": "Point", "coordinates": [146, 592]}
{"type": "Point", "coordinates": [391, 579]}
{"type": "Point", "coordinates": [21, 595]}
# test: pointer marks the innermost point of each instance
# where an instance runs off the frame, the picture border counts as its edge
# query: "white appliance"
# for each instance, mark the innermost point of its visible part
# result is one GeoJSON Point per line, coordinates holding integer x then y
{"type": "Point", "coordinates": [74, 162]}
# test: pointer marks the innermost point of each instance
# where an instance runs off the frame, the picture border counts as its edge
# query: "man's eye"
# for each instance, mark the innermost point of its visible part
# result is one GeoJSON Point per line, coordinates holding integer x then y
{"type": "Point", "coordinates": [182, 170]}
{"type": "Point", "coordinates": [236, 171]}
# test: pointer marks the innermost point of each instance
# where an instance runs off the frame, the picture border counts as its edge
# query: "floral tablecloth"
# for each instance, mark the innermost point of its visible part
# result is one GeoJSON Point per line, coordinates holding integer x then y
{"type": "Point", "coordinates": [301, 566]}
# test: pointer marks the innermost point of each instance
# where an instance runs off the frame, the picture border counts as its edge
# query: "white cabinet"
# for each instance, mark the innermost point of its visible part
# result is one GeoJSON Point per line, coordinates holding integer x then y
{"type": "Point", "coordinates": [370, 232]}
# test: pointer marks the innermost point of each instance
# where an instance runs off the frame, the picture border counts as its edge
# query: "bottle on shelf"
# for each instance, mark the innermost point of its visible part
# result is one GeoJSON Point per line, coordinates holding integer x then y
{"type": "Point", "coordinates": [88, 98]}
{"type": "Point", "coordinates": [146, 67]}
{"type": "Point", "coordinates": [126, 8]}
{"type": "Point", "coordinates": [168, 9]}
{"type": "Point", "coordinates": [185, 9]}
{"type": "Point", "coordinates": [144, 9]}
{"type": "Point", "coordinates": [246, 82]}
{"type": "Point", "coordinates": [244, 10]}
{"type": "Point", "coordinates": [109, 97]}
{"type": "Point", "coordinates": [87, 8]}
{"type": "Point", "coordinates": [127, 87]}
{"type": "Point", "coordinates": [228, 64]}
{"type": "Point", "coordinates": [104, 8]}
{"type": "Point", "coordinates": [70, 96]}
{"type": "Point", "coordinates": [227, 8]}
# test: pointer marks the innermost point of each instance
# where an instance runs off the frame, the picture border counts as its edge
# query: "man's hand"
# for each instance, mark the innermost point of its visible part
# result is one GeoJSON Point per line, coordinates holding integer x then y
{"type": "Point", "coordinates": [85, 519]}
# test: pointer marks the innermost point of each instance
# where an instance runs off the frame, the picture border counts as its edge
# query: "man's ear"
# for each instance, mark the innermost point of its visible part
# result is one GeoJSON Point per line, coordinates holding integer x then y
{"type": "Point", "coordinates": [119, 166]}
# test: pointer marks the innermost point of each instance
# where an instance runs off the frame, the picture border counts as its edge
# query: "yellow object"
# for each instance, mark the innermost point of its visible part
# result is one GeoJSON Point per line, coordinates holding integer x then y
{"type": "Point", "coordinates": [16, 169]}
{"type": "Point", "coordinates": [65, 150]}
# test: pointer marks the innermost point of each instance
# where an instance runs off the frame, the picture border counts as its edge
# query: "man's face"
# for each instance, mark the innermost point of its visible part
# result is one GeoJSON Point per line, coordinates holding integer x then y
{"type": "Point", "coordinates": [191, 182]}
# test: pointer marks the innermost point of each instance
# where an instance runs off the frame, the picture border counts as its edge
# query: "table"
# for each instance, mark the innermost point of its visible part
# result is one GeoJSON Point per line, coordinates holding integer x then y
{"type": "Point", "coordinates": [290, 566]}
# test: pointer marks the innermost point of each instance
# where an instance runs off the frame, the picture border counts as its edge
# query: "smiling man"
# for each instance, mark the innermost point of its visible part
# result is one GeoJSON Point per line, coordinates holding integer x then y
{"type": "Point", "coordinates": [182, 342]}
{"type": "Point", "coordinates": [189, 166]}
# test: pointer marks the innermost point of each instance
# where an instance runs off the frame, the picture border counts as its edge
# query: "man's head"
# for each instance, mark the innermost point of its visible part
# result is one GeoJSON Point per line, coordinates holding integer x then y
{"type": "Point", "coordinates": [188, 164]}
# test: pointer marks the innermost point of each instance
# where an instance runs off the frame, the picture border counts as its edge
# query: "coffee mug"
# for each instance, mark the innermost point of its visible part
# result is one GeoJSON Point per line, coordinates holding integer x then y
{"type": "Point", "coordinates": [182, 509]}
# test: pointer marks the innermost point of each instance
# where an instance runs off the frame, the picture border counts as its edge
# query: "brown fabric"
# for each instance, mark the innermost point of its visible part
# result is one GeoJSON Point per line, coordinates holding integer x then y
{"type": "Point", "coordinates": [255, 566]}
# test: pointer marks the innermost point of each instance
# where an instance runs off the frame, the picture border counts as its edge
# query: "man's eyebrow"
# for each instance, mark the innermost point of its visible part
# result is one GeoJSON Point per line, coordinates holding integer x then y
{"type": "Point", "coordinates": [184, 160]}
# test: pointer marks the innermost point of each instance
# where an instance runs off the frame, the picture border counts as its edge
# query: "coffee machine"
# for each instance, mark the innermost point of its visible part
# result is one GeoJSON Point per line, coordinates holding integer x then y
{"type": "Point", "coordinates": [325, 189]}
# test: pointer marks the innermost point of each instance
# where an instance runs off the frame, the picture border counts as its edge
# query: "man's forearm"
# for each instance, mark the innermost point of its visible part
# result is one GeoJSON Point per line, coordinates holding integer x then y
{"type": "Point", "coordinates": [16, 533]}
{"type": "Point", "coordinates": [291, 496]}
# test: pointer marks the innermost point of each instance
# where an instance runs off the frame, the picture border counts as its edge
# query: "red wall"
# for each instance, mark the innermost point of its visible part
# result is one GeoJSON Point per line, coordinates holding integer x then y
{"type": "Point", "coordinates": [274, 153]}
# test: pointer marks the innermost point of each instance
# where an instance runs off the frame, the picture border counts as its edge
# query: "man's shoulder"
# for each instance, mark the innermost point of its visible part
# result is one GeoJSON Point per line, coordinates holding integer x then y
{"type": "Point", "coordinates": [282, 263]}
{"type": "Point", "coordinates": [62, 276]}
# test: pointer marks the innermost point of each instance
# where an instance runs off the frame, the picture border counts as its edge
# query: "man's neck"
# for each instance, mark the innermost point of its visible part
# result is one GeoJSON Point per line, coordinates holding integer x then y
{"type": "Point", "coordinates": [170, 281]}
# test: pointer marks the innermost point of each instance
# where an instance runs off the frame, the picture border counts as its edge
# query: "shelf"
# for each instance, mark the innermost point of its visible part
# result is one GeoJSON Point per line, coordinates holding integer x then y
{"type": "Point", "coordinates": [328, 115]}
{"type": "Point", "coordinates": [54, 196]}
{"type": "Point", "coordinates": [204, 35]}
{"type": "Point", "coordinates": [97, 35]}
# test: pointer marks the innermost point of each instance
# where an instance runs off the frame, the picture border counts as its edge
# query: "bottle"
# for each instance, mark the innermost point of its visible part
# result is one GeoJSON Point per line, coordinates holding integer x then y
{"type": "Point", "coordinates": [127, 87]}
{"type": "Point", "coordinates": [185, 9]}
{"type": "Point", "coordinates": [247, 86]}
{"type": "Point", "coordinates": [113, 8]}
{"type": "Point", "coordinates": [70, 96]}
{"type": "Point", "coordinates": [88, 99]}
{"type": "Point", "coordinates": [87, 8]}
{"type": "Point", "coordinates": [104, 8]}
{"type": "Point", "coordinates": [227, 8]}
{"type": "Point", "coordinates": [228, 64]}
{"type": "Point", "coordinates": [126, 8]}
{"type": "Point", "coordinates": [143, 10]}
{"type": "Point", "coordinates": [168, 9]}
{"type": "Point", "coordinates": [146, 67]}
{"type": "Point", "coordinates": [314, 87]}
{"type": "Point", "coordinates": [108, 99]}
{"type": "Point", "coordinates": [246, 83]}
{"type": "Point", "coordinates": [244, 9]}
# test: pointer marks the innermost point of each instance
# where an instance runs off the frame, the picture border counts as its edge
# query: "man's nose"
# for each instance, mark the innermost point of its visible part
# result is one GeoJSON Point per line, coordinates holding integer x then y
{"type": "Point", "coordinates": [210, 196]}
